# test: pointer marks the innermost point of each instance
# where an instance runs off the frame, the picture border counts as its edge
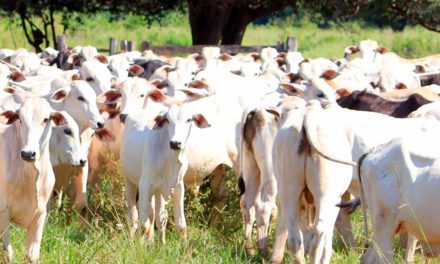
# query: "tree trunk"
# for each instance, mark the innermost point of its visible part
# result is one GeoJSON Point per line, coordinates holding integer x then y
{"type": "Point", "coordinates": [207, 19]}
{"type": "Point", "coordinates": [235, 28]}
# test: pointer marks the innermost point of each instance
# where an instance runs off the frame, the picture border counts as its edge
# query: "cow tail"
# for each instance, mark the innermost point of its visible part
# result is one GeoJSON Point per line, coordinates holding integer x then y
{"type": "Point", "coordinates": [362, 196]}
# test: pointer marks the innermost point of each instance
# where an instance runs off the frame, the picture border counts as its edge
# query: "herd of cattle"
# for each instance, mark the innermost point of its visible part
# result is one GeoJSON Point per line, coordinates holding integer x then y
{"type": "Point", "coordinates": [277, 119]}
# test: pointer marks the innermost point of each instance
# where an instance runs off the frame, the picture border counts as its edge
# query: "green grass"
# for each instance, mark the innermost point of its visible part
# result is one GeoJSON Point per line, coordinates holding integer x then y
{"type": "Point", "coordinates": [106, 239]}
{"type": "Point", "coordinates": [175, 30]}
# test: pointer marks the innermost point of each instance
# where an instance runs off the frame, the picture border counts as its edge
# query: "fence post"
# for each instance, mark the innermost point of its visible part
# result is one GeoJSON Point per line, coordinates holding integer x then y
{"type": "Point", "coordinates": [291, 44]}
{"type": "Point", "coordinates": [131, 45]}
{"type": "Point", "coordinates": [145, 46]}
{"type": "Point", "coordinates": [124, 44]}
{"type": "Point", "coordinates": [113, 44]}
{"type": "Point", "coordinates": [61, 43]}
{"type": "Point", "coordinates": [280, 46]}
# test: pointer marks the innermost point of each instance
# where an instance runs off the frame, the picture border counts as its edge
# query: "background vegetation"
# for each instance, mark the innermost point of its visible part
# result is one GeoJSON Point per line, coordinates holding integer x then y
{"type": "Point", "coordinates": [174, 29]}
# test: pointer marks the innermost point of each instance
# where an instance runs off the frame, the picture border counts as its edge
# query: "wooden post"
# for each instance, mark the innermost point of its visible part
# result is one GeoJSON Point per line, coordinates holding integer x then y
{"type": "Point", "coordinates": [61, 43]}
{"type": "Point", "coordinates": [291, 44]}
{"type": "Point", "coordinates": [124, 44]}
{"type": "Point", "coordinates": [145, 46]}
{"type": "Point", "coordinates": [131, 45]}
{"type": "Point", "coordinates": [280, 46]}
{"type": "Point", "coordinates": [113, 44]}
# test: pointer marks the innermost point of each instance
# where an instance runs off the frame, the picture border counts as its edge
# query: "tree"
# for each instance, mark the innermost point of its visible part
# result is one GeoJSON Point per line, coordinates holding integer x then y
{"type": "Point", "coordinates": [223, 21]}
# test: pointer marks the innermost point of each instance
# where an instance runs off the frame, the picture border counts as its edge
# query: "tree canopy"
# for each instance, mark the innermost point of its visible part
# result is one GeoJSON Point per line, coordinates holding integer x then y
{"type": "Point", "coordinates": [221, 21]}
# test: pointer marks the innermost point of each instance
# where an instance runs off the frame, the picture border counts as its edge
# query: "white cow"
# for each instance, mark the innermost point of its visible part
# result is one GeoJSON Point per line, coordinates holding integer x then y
{"type": "Point", "coordinates": [26, 176]}
{"type": "Point", "coordinates": [97, 75]}
{"type": "Point", "coordinates": [400, 181]}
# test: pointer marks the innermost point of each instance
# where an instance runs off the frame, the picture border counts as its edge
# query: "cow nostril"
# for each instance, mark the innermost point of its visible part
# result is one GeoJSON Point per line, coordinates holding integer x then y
{"type": "Point", "coordinates": [82, 162]}
{"type": "Point", "coordinates": [100, 124]}
{"type": "Point", "coordinates": [28, 155]}
{"type": "Point", "coordinates": [122, 117]}
{"type": "Point", "coordinates": [175, 145]}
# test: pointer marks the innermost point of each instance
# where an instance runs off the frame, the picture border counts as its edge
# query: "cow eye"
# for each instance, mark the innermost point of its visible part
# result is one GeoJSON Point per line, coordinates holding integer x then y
{"type": "Point", "coordinates": [186, 84]}
{"type": "Point", "coordinates": [189, 120]}
{"type": "Point", "coordinates": [46, 120]}
{"type": "Point", "coordinates": [89, 79]}
{"type": "Point", "coordinates": [321, 95]}
{"type": "Point", "coordinates": [193, 73]}
{"type": "Point", "coordinates": [142, 95]}
{"type": "Point", "coordinates": [68, 131]}
{"type": "Point", "coordinates": [81, 98]}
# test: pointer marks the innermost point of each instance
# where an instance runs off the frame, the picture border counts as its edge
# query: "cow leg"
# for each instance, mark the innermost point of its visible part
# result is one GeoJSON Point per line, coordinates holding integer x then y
{"type": "Point", "coordinates": [343, 225]}
{"type": "Point", "coordinates": [34, 235]}
{"type": "Point", "coordinates": [179, 214]}
{"type": "Point", "coordinates": [280, 240]}
{"type": "Point", "coordinates": [4, 231]}
{"type": "Point", "coordinates": [268, 192]}
{"type": "Point", "coordinates": [145, 206]}
{"type": "Point", "coordinates": [322, 234]}
{"type": "Point", "coordinates": [161, 215]}
{"type": "Point", "coordinates": [219, 192]}
{"type": "Point", "coordinates": [248, 201]}
{"type": "Point", "coordinates": [80, 182]}
{"type": "Point", "coordinates": [411, 244]}
{"type": "Point", "coordinates": [384, 226]}
{"type": "Point", "coordinates": [130, 194]}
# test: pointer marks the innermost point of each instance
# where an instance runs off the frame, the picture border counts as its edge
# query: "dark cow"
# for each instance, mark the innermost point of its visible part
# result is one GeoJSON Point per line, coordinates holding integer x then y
{"type": "Point", "coordinates": [429, 78]}
{"type": "Point", "coordinates": [149, 67]}
{"type": "Point", "coordinates": [364, 101]}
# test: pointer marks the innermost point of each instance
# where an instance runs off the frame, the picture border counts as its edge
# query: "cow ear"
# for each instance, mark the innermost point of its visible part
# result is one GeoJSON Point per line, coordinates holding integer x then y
{"type": "Point", "coordinates": [225, 57]}
{"type": "Point", "coordinates": [156, 95]}
{"type": "Point", "coordinates": [196, 57]}
{"type": "Point", "coordinates": [401, 86]}
{"type": "Point", "coordinates": [255, 56]}
{"type": "Point", "coordinates": [381, 50]}
{"type": "Point", "coordinates": [109, 97]}
{"type": "Point", "coordinates": [9, 117]}
{"type": "Point", "coordinates": [158, 122]}
{"type": "Point", "coordinates": [59, 95]}
{"type": "Point", "coordinates": [197, 84]}
{"type": "Point", "coordinates": [282, 54]}
{"type": "Point", "coordinates": [135, 70]}
{"type": "Point", "coordinates": [200, 121]}
{"type": "Point", "coordinates": [343, 92]}
{"type": "Point", "coordinates": [104, 135]}
{"type": "Point", "coordinates": [159, 84]}
{"type": "Point", "coordinates": [329, 74]}
{"type": "Point", "coordinates": [10, 90]}
{"type": "Point", "coordinates": [17, 76]}
{"type": "Point", "coordinates": [276, 111]}
{"type": "Point", "coordinates": [164, 70]}
{"type": "Point", "coordinates": [280, 61]}
{"type": "Point", "coordinates": [291, 88]}
{"type": "Point", "coordinates": [58, 118]}
{"type": "Point", "coordinates": [291, 77]}
{"type": "Point", "coordinates": [191, 94]}
{"type": "Point", "coordinates": [420, 69]}
{"type": "Point", "coordinates": [75, 77]}
{"type": "Point", "coordinates": [76, 60]}
{"type": "Point", "coordinates": [102, 59]}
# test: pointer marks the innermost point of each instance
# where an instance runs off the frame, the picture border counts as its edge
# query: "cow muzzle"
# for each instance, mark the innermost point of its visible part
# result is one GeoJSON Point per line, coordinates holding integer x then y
{"type": "Point", "coordinates": [176, 145]}
{"type": "Point", "coordinates": [29, 156]}
{"type": "Point", "coordinates": [122, 117]}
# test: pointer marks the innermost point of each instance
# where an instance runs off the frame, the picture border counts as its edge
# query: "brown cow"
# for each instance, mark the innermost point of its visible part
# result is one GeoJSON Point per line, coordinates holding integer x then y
{"type": "Point", "coordinates": [364, 101]}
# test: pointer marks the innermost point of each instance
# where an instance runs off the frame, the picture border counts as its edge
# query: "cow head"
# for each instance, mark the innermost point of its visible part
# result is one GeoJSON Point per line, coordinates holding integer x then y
{"type": "Point", "coordinates": [79, 100]}
{"type": "Point", "coordinates": [65, 146]}
{"type": "Point", "coordinates": [35, 115]}
{"type": "Point", "coordinates": [179, 122]}
{"type": "Point", "coordinates": [97, 75]}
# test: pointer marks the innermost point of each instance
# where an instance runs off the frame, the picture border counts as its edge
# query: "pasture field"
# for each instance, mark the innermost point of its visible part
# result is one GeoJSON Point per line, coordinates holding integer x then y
{"type": "Point", "coordinates": [106, 239]}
